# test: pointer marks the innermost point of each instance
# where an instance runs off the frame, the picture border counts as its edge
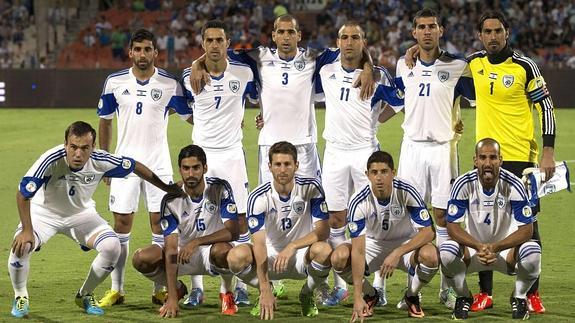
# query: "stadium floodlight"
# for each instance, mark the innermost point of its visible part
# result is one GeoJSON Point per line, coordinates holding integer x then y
{"type": "Point", "coordinates": [2, 91]}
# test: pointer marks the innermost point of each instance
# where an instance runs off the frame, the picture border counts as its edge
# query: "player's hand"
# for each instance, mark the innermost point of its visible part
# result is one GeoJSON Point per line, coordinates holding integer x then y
{"type": "Point", "coordinates": [282, 259]}
{"type": "Point", "coordinates": [170, 309]}
{"type": "Point", "coordinates": [486, 255]}
{"type": "Point", "coordinates": [389, 264]}
{"type": "Point", "coordinates": [458, 127]}
{"type": "Point", "coordinates": [411, 56]}
{"type": "Point", "coordinates": [199, 76]}
{"type": "Point", "coordinates": [175, 189]}
{"type": "Point", "coordinates": [259, 121]}
{"type": "Point", "coordinates": [106, 180]}
{"type": "Point", "coordinates": [547, 164]}
{"type": "Point", "coordinates": [360, 311]}
{"type": "Point", "coordinates": [23, 243]}
{"type": "Point", "coordinates": [366, 83]}
{"type": "Point", "coordinates": [187, 251]}
{"type": "Point", "coordinates": [267, 303]}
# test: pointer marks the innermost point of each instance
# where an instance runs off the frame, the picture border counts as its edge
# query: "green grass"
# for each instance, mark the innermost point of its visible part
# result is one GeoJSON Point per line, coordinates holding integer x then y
{"type": "Point", "coordinates": [59, 269]}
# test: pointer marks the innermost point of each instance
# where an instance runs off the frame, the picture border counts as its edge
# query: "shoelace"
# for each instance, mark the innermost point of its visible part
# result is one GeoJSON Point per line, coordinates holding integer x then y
{"type": "Point", "coordinates": [20, 303]}
{"type": "Point", "coordinates": [93, 302]}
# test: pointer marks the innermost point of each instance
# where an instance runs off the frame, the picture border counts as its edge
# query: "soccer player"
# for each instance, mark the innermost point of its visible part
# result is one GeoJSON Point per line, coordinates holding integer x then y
{"type": "Point", "coordinates": [198, 231]}
{"type": "Point", "coordinates": [286, 77]}
{"type": "Point", "coordinates": [350, 131]}
{"type": "Point", "coordinates": [288, 220]}
{"type": "Point", "coordinates": [433, 89]}
{"type": "Point", "coordinates": [55, 196]}
{"type": "Point", "coordinates": [390, 228]}
{"type": "Point", "coordinates": [499, 224]}
{"type": "Point", "coordinates": [508, 87]}
{"type": "Point", "coordinates": [142, 98]}
{"type": "Point", "coordinates": [218, 112]}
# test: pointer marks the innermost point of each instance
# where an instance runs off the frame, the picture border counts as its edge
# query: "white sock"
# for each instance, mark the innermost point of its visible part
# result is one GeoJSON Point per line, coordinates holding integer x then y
{"type": "Point", "coordinates": [119, 273]}
{"type": "Point", "coordinates": [441, 236]}
{"type": "Point", "coordinates": [198, 281]}
{"type": "Point", "coordinates": [378, 281]}
{"type": "Point", "coordinates": [108, 246]}
{"type": "Point", "coordinates": [337, 237]}
{"type": "Point", "coordinates": [158, 239]}
{"type": "Point", "coordinates": [317, 275]}
{"type": "Point", "coordinates": [249, 276]}
{"type": "Point", "coordinates": [226, 283]}
{"type": "Point", "coordinates": [19, 269]}
{"type": "Point", "coordinates": [240, 284]}
{"type": "Point", "coordinates": [454, 268]}
{"type": "Point", "coordinates": [423, 275]}
{"type": "Point", "coordinates": [158, 276]}
{"type": "Point", "coordinates": [528, 268]}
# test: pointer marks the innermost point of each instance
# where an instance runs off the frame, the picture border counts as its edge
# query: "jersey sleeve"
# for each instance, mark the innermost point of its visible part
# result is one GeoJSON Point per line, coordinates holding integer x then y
{"type": "Point", "coordinates": [415, 206]}
{"type": "Point", "coordinates": [539, 95]}
{"type": "Point", "coordinates": [112, 165]}
{"type": "Point", "coordinates": [522, 213]}
{"type": "Point", "coordinates": [318, 206]}
{"type": "Point", "coordinates": [387, 91]}
{"type": "Point", "coordinates": [107, 105]}
{"type": "Point", "coordinates": [464, 86]}
{"type": "Point", "coordinates": [169, 217]}
{"type": "Point", "coordinates": [249, 57]}
{"type": "Point", "coordinates": [329, 55]}
{"type": "Point", "coordinates": [179, 102]}
{"type": "Point", "coordinates": [40, 172]}
{"type": "Point", "coordinates": [251, 91]}
{"type": "Point", "coordinates": [356, 216]}
{"type": "Point", "coordinates": [256, 212]}
{"type": "Point", "coordinates": [228, 209]}
{"type": "Point", "coordinates": [458, 204]}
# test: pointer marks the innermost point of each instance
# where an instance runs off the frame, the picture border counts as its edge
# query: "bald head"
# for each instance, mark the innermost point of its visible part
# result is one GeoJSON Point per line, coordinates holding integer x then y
{"type": "Point", "coordinates": [487, 142]}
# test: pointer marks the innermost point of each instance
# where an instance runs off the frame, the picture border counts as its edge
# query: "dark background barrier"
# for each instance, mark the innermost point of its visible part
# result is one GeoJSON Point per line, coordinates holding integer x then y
{"type": "Point", "coordinates": [82, 88]}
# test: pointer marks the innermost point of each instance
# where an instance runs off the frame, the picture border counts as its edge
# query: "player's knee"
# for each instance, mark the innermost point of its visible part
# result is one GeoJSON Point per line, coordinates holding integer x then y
{"type": "Point", "coordinates": [449, 251]}
{"type": "Point", "coordinates": [428, 256]}
{"type": "Point", "coordinates": [146, 260]}
{"type": "Point", "coordinates": [239, 258]}
{"type": "Point", "coordinates": [108, 246]}
{"type": "Point", "coordinates": [123, 222]}
{"type": "Point", "coordinates": [529, 258]}
{"type": "Point", "coordinates": [218, 254]}
{"type": "Point", "coordinates": [320, 252]}
{"type": "Point", "coordinates": [340, 258]}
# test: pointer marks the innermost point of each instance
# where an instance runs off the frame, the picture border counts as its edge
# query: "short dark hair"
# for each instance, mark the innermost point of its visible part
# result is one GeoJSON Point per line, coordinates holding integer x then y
{"type": "Point", "coordinates": [215, 24]}
{"type": "Point", "coordinates": [284, 18]}
{"type": "Point", "coordinates": [351, 23]}
{"type": "Point", "coordinates": [487, 141]}
{"type": "Point", "coordinates": [283, 147]}
{"type": "Point", "coordinates": [380, 157]}
{"type": "Point", "coordinates": [192, 151]}
{"type": "Point", "coordinates": [492, 14]}
{"type": "Point", "coordinates": [141, 35]}
{"type": "Point", "coordinates": [79, 129]}
{"type": "Point", "coordinates": [424, 13]}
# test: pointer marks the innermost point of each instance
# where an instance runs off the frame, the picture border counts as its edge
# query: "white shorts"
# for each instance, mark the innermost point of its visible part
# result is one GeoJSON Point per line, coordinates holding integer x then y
{"type": "Point", "coordinates": [125, 194]}
{"type": "Point", "coordinates": [343, 174]}
{"type": "Point", "coordinates": [430, 167]}
{"type": "Point", "coordinates": [376, 251]}
{"type": "Point", "coordinates": [296, 268]}
{"type": "Point", "coordinates": [307, 156]}
{"type": "Point", "coordinates": [230, 164]}
{"type": "Point", "coordinates": [79, 227]}
{"type": "Point", "coordinates": [500, 264]}
{"type": "Point", "coordinates": [199, 263]}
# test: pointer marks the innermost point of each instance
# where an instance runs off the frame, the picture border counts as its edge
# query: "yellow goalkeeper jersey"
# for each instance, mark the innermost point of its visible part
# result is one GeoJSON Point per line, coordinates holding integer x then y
{"type": "Point", "coordinates": [508, 86]}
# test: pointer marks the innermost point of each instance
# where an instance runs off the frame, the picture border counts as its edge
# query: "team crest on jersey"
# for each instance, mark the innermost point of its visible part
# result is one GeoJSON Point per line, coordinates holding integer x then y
{"type": "Point", "coordinates": [526, 211]}
{"type": "Point", "coordinates": [443, 75]}
{"type": "Point", "coordinates": [210, 207]}
{"type": "Point", "coordinates": [452, 210]}
{"type": "Point", "coordinates": [234, 86]}
{"type": "Point", "coordinates": [156, 94]}
{"type": "Point", "coordinates": [424, 215]}
{"type": "Point", "coordinates": [352, 227]}
{"type": "Point", "coordinates": [395, 210]}
{"type": "Point", "coordinates": [508, 80]}
{"type": "Point", "coordinates": [501, 202]}
{"type": "Point", "coordinates": [31, 187]}
{"type": "Point", "coordinates": [298, 207]}
{"type": "Point", "coordinates": [231, 208]}
{"type": "Point", "coordinates": [126, 164]}
{"type": "Point", "coordinates": [253, 222]}
{"type": "Point", "coordinates": [89, 178]}
{"type": "Point", "coordinates": [299, 65]}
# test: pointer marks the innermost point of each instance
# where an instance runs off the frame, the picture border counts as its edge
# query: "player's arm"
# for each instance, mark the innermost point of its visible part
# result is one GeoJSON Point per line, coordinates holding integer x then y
{"type": "Point", "coordinates": [457, 209]}
{"type": "Point", "coordinates": [267, 300]}
{"type": "Point", "coordinates": [461, 236]}
{"type": "Point", "coordinates": [367, 77]}
{"type": "Point", "coordinates": [170, 308]}
{"type": "Point", "coordinates": [360, 308]}
{"type": "Point", "coordinates": [105, 132]}
{"type": "Point", "coordinates": [521, 235]}
{"type": "Point", "coordinates": [522, 217]}
{"type": "Point", "coordinates": [26, 236]}
{"type": "Point", "coordinates": [229, 233]}
{"type": "Point", "coordinates": [145, 173]}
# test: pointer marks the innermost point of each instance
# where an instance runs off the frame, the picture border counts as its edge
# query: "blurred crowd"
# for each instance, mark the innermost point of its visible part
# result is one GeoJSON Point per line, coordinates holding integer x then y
{"type": "Point", "coordinates": [542, 30]}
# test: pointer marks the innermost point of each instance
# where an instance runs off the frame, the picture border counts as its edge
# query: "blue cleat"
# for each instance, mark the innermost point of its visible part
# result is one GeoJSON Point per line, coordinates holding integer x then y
{"type": "Point", "coordinates": [241, 297]}
{"type": "Point", "coordinates": [382, 299]}
{"type": "Point", "coordinates": [195, 299]}
{"type": "Point", "coordinates": [20, 307]}
{"type": "Point", "coordinates": [89, 304]}
{"type": "Point", "coordinates": [336, 296]}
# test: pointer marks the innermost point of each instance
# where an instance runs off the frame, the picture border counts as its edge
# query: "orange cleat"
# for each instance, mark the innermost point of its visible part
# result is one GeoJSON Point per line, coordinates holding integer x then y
{"type": "Point", "coordinates": [229, 306]}
{"type": "Point", "coordinates": [534, 303]}
{"type": "Point", "coordinates": [481, 302]}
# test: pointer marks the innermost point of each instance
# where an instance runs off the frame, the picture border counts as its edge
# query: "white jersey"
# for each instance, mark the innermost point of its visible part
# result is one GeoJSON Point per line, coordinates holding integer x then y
{"type": "Point", "coordinates": [432, 93]}
{"type": "Point", "coordinates": [143, 110]}
{"type": "Point", "coordinates": [286, 92]}
{"type": "Point", "coordinates": [219, 109]}
{"type": "Point", "coordinates": [491, 215]}
{"type": "Point", "coordinates": [286, 219]}
{"type": "Point", "coordinates": [51, 184]}
{"type": "Point", "coordinates": [192, 219]}
{"type": "Point", "coordinates": [350, 122]}
{"type": "Point", "coordinates": [400, 217]}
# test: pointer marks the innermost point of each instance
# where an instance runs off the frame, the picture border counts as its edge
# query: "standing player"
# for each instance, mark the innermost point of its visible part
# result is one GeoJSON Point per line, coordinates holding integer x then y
{"type": "Point", "coordinates": [55, 196]}
{"type": "Point", "coordinates": [198, 231]}
{"type": "Point", "coordinates": [498, 230]}
{"type": "Point", "coordinates": [288, 220]}
{"type": "Point", "coordinates": [432, 93]}
{"type": "Point", "coordinates": [508, 86]}
{"type": "Point", "coordinates": [218, 112]}
{"type": "Point", "coordinates": [141, 97]}
{"type": "Point", "coordinates": [350, 131]}
{"type": "Point", "coordinates": [390, 228]}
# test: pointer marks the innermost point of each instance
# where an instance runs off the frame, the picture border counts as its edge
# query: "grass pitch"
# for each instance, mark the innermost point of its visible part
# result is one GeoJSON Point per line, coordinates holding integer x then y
{"type": "Point", "coordinates": [59, 269]}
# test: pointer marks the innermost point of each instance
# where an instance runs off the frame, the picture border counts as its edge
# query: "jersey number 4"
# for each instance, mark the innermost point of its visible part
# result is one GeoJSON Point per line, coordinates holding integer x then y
{"type": "Point", "coordinates": [487, 220]}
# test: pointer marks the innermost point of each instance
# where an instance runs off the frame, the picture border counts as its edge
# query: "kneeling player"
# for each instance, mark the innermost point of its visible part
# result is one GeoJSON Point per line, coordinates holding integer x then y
{"type": "Point", "coordinates": [390, 228]}
{"type": "Point", "coordinates": [288, 220]}
{"type": "Point", "coordinates": [198, 232]}
{"type": "Point", "coordinates": [498, 229]}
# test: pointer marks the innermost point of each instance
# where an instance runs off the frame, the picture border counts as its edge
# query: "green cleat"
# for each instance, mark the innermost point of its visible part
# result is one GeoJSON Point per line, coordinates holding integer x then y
{"type": "Point", "coordinates": [308, 306]}
{"type": "Point", "coordinates": [255, 311]}
{"type": "Point", "coordinates": [89, 304]}
{"type": "Point", "coordinates": [280, 291]}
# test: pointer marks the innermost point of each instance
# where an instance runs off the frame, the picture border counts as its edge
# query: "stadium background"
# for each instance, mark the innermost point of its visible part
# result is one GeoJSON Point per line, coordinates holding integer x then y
{"type": "Point", "coordinates": [55, 54]}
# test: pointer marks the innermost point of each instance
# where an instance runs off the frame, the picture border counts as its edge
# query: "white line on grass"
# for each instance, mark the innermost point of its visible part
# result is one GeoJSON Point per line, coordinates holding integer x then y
{"type": "Point", "coordinates": [570, 161]}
